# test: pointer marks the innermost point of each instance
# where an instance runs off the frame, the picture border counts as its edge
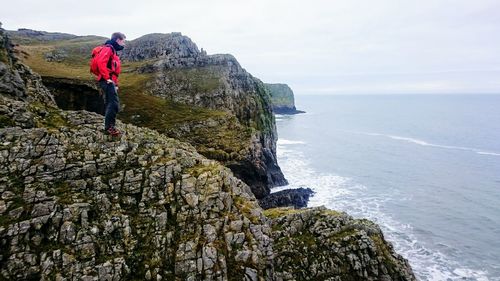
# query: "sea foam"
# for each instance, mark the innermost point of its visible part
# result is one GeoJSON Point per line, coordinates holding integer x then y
{"type": "Point", "coordinates": [344, 194]}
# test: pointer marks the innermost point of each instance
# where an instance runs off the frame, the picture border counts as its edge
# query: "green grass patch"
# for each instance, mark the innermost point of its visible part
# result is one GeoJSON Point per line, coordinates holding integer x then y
{"type": "Point", "coordinates": [196, 80]}
{"type": "Point", "coordinates": [49, 117]}
{"type": "Point", "coordinates": [281, 211]}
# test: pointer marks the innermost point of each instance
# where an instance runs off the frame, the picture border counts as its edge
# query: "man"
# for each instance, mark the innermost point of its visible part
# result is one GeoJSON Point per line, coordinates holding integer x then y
{"type": "Point", "coordinates": [108, 68]}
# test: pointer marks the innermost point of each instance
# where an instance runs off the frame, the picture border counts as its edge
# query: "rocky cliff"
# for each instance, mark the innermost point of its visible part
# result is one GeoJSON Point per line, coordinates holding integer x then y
{"type": "Point", "coordinates": [282, 99]}
{"type": "Point", "coordinates": [169, 85]}
{"type": "Point", "coordinates": [76, 204]}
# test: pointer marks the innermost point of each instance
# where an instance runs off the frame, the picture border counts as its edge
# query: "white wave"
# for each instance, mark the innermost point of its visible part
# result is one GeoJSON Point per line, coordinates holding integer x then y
{"type": "Point", "coordinates": [285, 142]}
{"type": "Point", "coordinates": [488, 153]}
{"type": "Point", "coordinates": [344, 194]}
{"type": "Point", "coordinates": [424, 143]}
{"type": "Point", "coordinates": [465, 273]}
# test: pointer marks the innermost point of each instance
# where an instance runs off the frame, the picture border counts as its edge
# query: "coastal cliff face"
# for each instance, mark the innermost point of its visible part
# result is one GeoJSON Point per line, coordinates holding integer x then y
{"type": "Point", "coordinates": [282, 99]}
{"type": "Point", "coordinates": [76, 204]}
{"type": "Point", "coordinates": [172, 87]}
{"type": "Point", "coordinates": [218, 82]}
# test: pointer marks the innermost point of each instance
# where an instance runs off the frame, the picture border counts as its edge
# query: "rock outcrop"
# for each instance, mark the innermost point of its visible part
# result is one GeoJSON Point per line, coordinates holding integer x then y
{"type": "Point", "coordinates": [321, 244]}
{"type": "Point", "coordinates": [76, 204]}
{"type": "Point", "coordinates": [296, 198]}
{"type": "Point", "coordinates": [282, 99]}
{"type": "Point", "coordinates": [156, 45]}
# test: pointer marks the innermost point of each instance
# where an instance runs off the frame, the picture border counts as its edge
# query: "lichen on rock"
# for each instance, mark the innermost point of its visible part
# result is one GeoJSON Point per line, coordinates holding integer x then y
{"type": "Point", "coordinates": [320, 244]}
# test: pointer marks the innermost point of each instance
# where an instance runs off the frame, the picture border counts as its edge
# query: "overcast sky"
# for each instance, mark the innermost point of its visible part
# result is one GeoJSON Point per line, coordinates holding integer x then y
{"type": "Point", "coordinates": [315, 46]}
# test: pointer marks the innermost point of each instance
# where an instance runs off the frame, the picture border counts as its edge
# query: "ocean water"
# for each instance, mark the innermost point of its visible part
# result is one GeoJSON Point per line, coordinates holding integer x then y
{"type": "Point", "coordinates": [426, 168]}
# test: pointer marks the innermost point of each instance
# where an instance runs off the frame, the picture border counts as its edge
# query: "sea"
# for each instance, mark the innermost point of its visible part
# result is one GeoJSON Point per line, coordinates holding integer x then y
{"type": "Point", "coordinates": [426, 168]}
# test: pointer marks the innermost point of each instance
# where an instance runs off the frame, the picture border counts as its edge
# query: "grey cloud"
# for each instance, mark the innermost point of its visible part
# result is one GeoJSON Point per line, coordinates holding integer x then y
{"type": "Point", "coordinates": [385, 45]}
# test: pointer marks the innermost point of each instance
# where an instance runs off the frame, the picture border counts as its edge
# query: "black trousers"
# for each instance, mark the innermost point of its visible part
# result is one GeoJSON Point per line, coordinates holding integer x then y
{"type": "Point", "coordinates": [111, 103]}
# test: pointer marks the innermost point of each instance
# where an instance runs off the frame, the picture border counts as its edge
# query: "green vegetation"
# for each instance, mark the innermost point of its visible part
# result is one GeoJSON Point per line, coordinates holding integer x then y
{"type": "Point", "coordinates": [383, 248]}
{"type": "Point", "coordinates": [35, 58]}
{"type": "Point", "coordinates": [281, 211]}
{"type": "Point", "coordinates": [197, 170]}
{"type": "Point", "coordinates": [63, 192]}
{"type": "Point", "coordinates": [4, 56]}
{"type": "Point", "coordinates": [6, 121]}
{"type": "Point", "coordinates": [246, 206]}
{"type": "Point", "coordinates": [49, 117]}
{"type": "Point", "coordinates": [196, 80]}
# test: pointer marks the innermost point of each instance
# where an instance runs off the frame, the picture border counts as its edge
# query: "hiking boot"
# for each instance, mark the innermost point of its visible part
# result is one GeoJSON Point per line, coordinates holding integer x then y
{"type": "Point", "coordinates": [113, 131]}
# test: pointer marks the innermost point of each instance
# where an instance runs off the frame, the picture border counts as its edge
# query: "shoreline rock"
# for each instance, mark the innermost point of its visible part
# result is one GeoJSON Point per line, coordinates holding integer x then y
{"type": "Point", "coordinates": [287, 111]}
{"type": "Point", "coordinates": [298, 198]}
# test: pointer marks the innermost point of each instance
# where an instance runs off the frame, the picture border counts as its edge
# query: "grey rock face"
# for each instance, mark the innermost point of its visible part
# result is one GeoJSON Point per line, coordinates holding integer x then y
{"type": "Point", "coordinates": [17, 80]}
{"type": "Point", "coordinates": [173, 45]}
{"type": "Point", "coordinates": [296, 198]}
{"type": "Point", "coordinates": [320, 244]}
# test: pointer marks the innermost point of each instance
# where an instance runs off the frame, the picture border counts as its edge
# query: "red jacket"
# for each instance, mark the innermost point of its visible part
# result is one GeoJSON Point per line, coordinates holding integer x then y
{"type": "Point", "coordinates": [102, 63]}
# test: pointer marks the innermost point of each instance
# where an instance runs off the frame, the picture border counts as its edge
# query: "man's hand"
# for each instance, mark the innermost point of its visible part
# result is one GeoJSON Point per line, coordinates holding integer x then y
{"type": "Point", "coordinates": [109, 81]}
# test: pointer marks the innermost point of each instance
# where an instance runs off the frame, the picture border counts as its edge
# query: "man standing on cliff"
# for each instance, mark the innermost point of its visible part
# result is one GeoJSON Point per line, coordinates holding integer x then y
{"type": "Point", "coordinates": [105, 64]}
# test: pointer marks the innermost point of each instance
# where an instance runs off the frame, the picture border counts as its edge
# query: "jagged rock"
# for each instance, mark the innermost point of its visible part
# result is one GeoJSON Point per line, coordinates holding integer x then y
{"type": "Point", "coordinates": [282, 99]}
{"type": "Point", "coordinates": [157, 45]}
{"type": "Point", "coordinates": [320, 244]}
{"type": "Point", "coordinates": [297, 198]}
{"type": "Point", "coordinates": [56, 55]}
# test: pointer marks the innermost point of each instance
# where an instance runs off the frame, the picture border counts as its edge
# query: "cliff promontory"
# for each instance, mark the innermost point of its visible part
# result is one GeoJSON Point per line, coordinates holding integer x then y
{"type": "Point", "coordinates": [282, 99]}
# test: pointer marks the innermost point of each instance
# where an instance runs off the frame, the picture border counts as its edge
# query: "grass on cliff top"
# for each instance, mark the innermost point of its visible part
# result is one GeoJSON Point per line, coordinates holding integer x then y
{"type": "Point", "coordinates": [283, 211]}
{"type": "Point", "coordinates": [33, 56]}
{"type": "Point", "coordinates": [200, 79]}
{"type": "Point", "coordinates": [142, 109]}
